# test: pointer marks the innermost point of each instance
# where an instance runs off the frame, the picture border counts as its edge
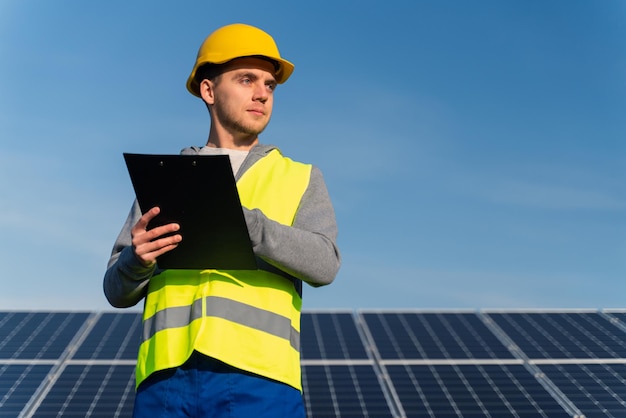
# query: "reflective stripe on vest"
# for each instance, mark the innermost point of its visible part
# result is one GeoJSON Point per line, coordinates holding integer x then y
{"type": "Point", "coordinates": [240, 313]}
{"type": "Point", "coordinates": [249, 319]}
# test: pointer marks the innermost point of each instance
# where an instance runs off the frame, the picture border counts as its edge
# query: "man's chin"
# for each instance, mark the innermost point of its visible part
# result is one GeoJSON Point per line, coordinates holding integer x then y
{"type": "Point", "coordinates": [250, 130]}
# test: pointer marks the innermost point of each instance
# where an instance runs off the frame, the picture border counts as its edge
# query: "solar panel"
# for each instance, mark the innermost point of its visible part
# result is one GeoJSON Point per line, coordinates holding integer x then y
{"type": "Point", "coordinates": [90, 391]}
{"type": "Point", "coordinates": [472, 391]}
{"type": "Point", "coordinates": [355, 364]}
{"type": "Point", "coordinates": [330, 336]}
{"type": "Point", "coordinates": [113, 336]}
{"type": "Point", "coordinates": [597, 390]}
{"type": "Point", "coordinates": [344, 391]}
{"type": "Point", "coordinates": [37, 335]}
{"type": "Point", "coordinates": [351, 390]}
{"type": "Point", "coordinates": [563, 335]}
{"type": "Point", "coordinates": [107, 391]}
{"type": "Point", "coordinates": [422, 335]}
{"type": "Point", "coordinates": [18, 383]}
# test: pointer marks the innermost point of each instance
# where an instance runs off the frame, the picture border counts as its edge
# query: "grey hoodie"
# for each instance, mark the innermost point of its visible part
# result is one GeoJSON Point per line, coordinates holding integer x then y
{"type": "Point", "coordinates": [306, 251]}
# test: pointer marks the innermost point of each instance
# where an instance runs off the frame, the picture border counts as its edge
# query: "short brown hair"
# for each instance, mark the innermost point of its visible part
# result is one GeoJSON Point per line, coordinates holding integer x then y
{"type": "Point", "coordinates": [208, 72]}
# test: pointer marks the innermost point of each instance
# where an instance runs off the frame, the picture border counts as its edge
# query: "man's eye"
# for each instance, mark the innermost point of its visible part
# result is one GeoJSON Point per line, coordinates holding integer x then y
{"type": "Point", "coordinates": [271, 87]}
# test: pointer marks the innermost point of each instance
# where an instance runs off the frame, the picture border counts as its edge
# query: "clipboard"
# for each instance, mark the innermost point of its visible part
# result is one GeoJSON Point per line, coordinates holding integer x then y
{"type": "Point", "coordinates": [199, 193]}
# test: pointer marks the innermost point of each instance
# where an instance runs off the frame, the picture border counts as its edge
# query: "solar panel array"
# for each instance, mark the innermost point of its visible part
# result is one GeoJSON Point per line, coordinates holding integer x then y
{"type": "Point", "coordinates": [368, 363]}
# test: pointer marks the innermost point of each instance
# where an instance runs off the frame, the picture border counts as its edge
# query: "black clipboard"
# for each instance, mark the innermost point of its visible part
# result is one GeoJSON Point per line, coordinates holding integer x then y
{"type": "Point", "coordinates": [199, 193]}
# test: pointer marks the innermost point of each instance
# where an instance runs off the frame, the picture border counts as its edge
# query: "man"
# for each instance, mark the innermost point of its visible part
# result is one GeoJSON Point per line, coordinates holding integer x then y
{"type": "Point", "coordinates": [226, 343]}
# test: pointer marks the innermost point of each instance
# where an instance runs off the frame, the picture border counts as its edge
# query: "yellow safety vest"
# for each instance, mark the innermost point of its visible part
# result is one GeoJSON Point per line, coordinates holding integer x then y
{"type": "Point", "coordinates": [249, 319]}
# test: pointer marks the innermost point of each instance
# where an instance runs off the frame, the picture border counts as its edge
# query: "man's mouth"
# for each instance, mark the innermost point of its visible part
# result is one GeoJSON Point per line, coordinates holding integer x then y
{"type": "Point", "coordinates": [258, 112]}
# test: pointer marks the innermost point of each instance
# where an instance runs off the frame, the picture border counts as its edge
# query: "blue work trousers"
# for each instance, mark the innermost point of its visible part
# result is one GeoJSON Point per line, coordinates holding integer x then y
{"type": "Point", "coordinates": [206, 388]}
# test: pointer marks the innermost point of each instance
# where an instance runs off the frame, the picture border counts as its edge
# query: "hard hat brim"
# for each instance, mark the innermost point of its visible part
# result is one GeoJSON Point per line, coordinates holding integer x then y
{"type": "Point", "coordinates": [283, 72]}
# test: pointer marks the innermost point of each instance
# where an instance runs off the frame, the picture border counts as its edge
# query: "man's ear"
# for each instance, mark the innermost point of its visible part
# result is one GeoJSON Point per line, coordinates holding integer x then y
{"type": "Point", "coordinates": [207, 92]}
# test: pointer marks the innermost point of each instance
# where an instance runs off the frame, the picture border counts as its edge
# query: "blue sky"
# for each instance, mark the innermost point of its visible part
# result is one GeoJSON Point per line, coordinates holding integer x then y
{"type": "Point", "coordinates": [474, 150]}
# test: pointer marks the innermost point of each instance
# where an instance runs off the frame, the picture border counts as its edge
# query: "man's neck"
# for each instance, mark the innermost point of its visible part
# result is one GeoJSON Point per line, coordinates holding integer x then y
{"type": "Point", "coordinates": [243, 143]}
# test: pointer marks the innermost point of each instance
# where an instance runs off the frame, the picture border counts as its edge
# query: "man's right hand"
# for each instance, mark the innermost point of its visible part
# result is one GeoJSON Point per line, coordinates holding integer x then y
{"type": "Point", "coordinates": [148, 245]}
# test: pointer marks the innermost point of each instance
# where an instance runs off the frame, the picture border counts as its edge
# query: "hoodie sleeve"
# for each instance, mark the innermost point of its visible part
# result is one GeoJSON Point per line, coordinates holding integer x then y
{"type": "Point", "coordinates": [308, 249]}
{"type": "Point", "coordinates": [126, 279]}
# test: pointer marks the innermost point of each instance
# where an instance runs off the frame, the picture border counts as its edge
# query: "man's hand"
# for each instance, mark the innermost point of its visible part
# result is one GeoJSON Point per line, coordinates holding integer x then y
{"type": "Point", "coordinates": [148, 245]}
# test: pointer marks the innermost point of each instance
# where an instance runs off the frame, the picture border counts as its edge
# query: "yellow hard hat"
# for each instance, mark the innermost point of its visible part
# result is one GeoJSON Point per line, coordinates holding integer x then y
{"type": "Point", "coordinates": [235, 41]}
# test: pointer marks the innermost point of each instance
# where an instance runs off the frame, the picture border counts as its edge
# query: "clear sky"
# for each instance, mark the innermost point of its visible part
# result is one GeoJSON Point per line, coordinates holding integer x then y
{"type": "Point", "coordinates": [474, 150]}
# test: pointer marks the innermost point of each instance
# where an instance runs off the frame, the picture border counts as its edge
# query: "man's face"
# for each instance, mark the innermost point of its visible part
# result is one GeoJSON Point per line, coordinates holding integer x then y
{"type": "Point", "coordinates": [243, 96]}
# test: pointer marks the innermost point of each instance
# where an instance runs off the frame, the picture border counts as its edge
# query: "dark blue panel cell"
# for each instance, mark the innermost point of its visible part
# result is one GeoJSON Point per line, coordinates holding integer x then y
{"type": "Point", "coordinates": [620, 316]}
{"type": "Point", "coordinates": [573, 335]}
{"type": "Point", "coordinates": [404, 335]}
{"type": "Point", "coordinates": [597, 390]}
{"type": "Point", "coordinates": [91, 390]}
{"type": "Point", "coordinates": [37, 335]}
{"type": "Point", "coordinates": [18, 383]}
{"type": "Point", "coordinates": [330, 336]}
{"type": "Point", "coordinates": [343, 391]}
{"type": "Point", "coordinates": [472, 390]}
{"type": "Point", "coordinates": [114, 336]}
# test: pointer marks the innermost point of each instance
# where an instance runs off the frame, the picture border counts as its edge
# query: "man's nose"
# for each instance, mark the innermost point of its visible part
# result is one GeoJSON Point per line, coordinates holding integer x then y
{"type": "Point", "coordinates": [261, 92]}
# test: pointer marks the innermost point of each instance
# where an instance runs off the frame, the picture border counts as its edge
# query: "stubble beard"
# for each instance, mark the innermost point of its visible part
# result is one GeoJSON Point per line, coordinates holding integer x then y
{"type": "Point", "coordinates": [234, 125]}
